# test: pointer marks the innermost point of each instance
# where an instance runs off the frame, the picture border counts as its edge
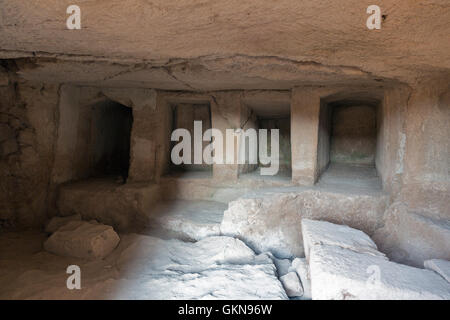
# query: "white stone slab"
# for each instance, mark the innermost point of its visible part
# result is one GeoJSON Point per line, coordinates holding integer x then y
{"type": "Point", "coordinates": [338, 273]}
{"type": "Point", "coordinates": [317, 232]}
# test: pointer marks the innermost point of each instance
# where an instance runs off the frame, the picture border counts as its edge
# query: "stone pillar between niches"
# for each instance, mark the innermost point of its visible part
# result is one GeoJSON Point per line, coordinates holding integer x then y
{"type": "Point", "coordinates": [226, 114]}
{"type": "Point", "coordinates": [426, 179]}
{"type": "Point", "coordinates": [305, 111]}
{"type": "Point", "coordinates": [149, 139]}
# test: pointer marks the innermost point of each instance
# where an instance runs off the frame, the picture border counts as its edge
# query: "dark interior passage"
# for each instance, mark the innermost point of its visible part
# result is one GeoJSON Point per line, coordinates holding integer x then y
{"type": "Point", "coordinates": [110, 139]}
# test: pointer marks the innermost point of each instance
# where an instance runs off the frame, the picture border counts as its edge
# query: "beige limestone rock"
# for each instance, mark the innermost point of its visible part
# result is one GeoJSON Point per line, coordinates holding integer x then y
{"type": "Point", "coordinates": [119, 205]}
{"type": "Point", "coordinates": [224, 36]}
{"type": "Point", "coordinates": [134, 98]}
{"type": "Point", "coordinates": [317, 232]}
{"type": "Point", "coordinates": [271, 220]}
{"type": "Point", "coordinates": [83, 240]}
{"type": "Point", "coordinates": [411, 238]}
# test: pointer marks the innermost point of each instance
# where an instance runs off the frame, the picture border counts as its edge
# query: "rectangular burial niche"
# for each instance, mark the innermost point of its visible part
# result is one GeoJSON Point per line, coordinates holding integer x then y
{"type": "Point", "coordinates": [183, 117]}
{"type": "Point", "coordinates": [109, 140]}
{"type": "Point", "coordinates": [347, 143]}
{"type": "Point", "coordinates": [267, 114]}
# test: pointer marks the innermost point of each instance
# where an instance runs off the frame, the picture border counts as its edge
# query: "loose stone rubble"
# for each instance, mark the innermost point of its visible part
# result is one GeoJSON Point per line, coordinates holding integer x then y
{"type": "Point", "coordinates": [341, 263]}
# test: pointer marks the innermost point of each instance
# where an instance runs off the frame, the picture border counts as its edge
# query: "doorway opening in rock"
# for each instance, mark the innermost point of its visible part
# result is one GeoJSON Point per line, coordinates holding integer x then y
{"type": "Point", "coordinates": [183, 117]}
{"type": "Point", "coordinates": [110, 134]}
{"type": "Point", "coordinates": [269, 114]}
{"type": "Point", "coordinates": [347, 144]}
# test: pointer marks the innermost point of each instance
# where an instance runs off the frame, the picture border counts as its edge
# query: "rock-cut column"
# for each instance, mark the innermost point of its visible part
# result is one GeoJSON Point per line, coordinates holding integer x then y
{"type": "Point", "coordinates": [305, 110]}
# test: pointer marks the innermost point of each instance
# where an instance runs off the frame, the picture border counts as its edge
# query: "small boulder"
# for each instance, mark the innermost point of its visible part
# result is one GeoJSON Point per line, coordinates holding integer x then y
{"type": "Point", "coordinates": [300, 266]}
{"type": "Point", "coordinates": [82, 239]}
{"type": "Point", "coordinates": [292, 285]}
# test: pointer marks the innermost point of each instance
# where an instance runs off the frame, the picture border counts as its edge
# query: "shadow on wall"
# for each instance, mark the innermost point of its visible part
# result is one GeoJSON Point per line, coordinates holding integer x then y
{"type": "Point", "coordinates": [353, 135]}
{"type": "Point", "coordinates": [110, 132]}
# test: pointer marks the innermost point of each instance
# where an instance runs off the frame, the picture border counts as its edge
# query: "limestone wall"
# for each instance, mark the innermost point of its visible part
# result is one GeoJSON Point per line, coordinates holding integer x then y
{"type": "Point", "coordinates": [391, 137]}
{"type": "Point", "coordinates": [28, 117]}
{"type": "Point", "coordinates": [353, 135]}
{"type": "Point", "coordinates": [426, 182]}
{"type": "Point", "coordinates": [43, 132]}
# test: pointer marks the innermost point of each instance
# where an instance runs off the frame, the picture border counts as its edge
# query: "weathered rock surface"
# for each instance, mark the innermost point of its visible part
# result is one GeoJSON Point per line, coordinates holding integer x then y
{"type": "Point", "coordinates": [223, 37]}
{"type": "Point", "coordinates": [145, 267]}
{"type": "Point", "coordinates": [321, 232]}
{"type": "Point", "coordinates": [440, 266]}
{"type": "Point", "coordinates": [118, 205]}
{"type": "Point", "coordinates": [338, 273]}
{"type": "Point", "coordinates": [344, 264]}
{"type": "Point", "coordinates": [411, 238]}
{"type": "Point", "coordinates": [282, 265]}
{"type": "Point", "coordinates": [56, 222]}
{"type": "Point", "coordinates": [186, 220]}
{"type": "Point", "coordinates": [300, 266]}
{"type": "Point", "coordinates": [27, 127]}
{"type": "Point", "coordinates": [271, 220]}
{"type": "Point", "coordinates": [82, 240]}
{"type": "Point", "coordinates": [292, 285]}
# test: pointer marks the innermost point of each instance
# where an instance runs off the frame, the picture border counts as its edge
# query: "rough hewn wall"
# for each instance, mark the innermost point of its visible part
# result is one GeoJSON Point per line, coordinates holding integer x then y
{"type": "Point", "coordinates": [28, 117]}
{"type": "Point", "coordinates": [248, 121]}
{"type": "Point", "coordinates": [284, 125]}
{"type": "Point", "coordinates": [426, 182]}
{"type": "Point", "coordinates": [184, 116]}
{"type": "Point", "coordinates": [353, 136]}
{"type": "Point", "coordinates": [323, 144]}
{"type": "Point", "coordinates": [391, 137]}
